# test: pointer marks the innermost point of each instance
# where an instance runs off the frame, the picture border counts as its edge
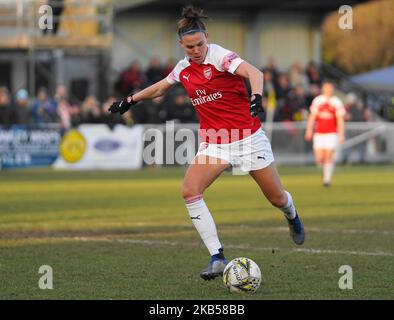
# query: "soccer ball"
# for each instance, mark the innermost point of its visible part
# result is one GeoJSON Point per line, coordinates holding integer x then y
{"type": "Point", "coordinates": [242, 275]}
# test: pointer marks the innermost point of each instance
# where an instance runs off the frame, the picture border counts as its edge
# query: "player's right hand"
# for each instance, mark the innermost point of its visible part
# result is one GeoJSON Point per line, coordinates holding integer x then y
{"type": "Point", "coordinates": [123, 105]}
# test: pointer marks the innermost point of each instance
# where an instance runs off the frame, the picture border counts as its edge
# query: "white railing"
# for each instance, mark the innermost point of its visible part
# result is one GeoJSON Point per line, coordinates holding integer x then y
{"type": "Point", "coordinates": [375, 139]}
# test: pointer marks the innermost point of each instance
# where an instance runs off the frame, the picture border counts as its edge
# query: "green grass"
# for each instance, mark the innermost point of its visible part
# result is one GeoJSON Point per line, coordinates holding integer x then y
{"type": "Point", "coordinates": [126, 235]}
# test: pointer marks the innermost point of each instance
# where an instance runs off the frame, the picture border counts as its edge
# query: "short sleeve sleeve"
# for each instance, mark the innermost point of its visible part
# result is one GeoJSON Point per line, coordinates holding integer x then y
{"type": "Point", "coordinates": [223, 59]}
{"type": "Point", "coordinates": [339, 107]}
{"type": "Point", "coordinates": [173, 76]}
{"type": "Point", "coordinates": [314, 108]}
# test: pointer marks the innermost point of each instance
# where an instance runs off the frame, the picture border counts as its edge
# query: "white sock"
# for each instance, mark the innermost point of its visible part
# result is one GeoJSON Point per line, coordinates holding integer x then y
{"type": "Point", "coordinates": [203, 221]}
{"type": "Point", "coordinates": [328, 169]}
{"type": "Point", "coordinates": [289, 209]}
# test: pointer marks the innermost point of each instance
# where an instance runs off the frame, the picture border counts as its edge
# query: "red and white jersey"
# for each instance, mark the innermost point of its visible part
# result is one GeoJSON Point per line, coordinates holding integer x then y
{"type": "Point", "coordinates": [218, 94]}
{"type": "Point", "coordinates": [327, 110]}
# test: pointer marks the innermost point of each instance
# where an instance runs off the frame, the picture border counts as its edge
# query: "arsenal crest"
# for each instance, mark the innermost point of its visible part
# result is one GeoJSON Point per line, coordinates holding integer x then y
{"type": "Point", "coordinates": [207, 73]}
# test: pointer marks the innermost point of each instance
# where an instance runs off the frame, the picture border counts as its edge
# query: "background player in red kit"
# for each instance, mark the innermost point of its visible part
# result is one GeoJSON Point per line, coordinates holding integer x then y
{"type": "Point", "coordinates": [328, 112]}
{"type": "Point", "coordinates": [230, 129]}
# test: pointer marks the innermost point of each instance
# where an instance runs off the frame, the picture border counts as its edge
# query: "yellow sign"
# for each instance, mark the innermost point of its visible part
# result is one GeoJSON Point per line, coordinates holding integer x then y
{"type": "Point", "coordinates": [73, 146]}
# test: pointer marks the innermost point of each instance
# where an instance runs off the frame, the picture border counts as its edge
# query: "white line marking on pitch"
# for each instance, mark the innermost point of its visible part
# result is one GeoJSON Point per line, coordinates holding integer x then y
{"type": "Point", "coordinates": [232, 246]}
{"type": "Point", "coordinates": [357, 253]}
{"type": "Point", "coordinates": [343, 231]}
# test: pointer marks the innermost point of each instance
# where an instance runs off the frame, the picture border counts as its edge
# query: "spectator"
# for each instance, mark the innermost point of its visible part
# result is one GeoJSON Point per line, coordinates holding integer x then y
{"type": "Point", "coordinates": [314, 91]}
{"type": "Point", "coordinates": [180, 109]}
{"type": "Point", "coordinates": [139, 113]}
{"type": "Point", "coordinates": [154, 73]}
{"type": "Point", "coordinates": [155, 110]}
{"type": "Point", "coordinates": [355, 112]}
{"type": "Point", "coordinates": [297, 76]}
{"type": "Point", "coordinates": [70, 111]}
{"type": "Point", "coordinates": [269, 101]}
{"type": "Point", "coordinates": [283, 111]}
{"type": "Point", "coordinates": [169, 66]}
{"type": "Point", "coordinates": [268, 83]}
{"type": "Point", "coordinates": [63, 107]}
{"type": "Point", "coordinates": [22, 110]}
{"type": "Point", "coordinates": [313, 74]}
{"type": "Point", "coordinates": [44, 108]}
{"type": "Point", "coordinates": [63, 110]}
{"type": "Point", "coordinates": [90, 112]}
{"type": "Point", "coordinates": [271, 67]}
{"type": "Point", "coordinates": [283, 87]}
{"type": "Point", "coordinates": [61, 92]}
{"type": "Point", "coordinates": [131, 79]}
{"type": "Point", "coordinates": [297, 102]}
{"type": "Point", "coordinates": [188, 114]}
{"type": "Point", "coordinates": [5, 107]}
{"type": "Point", "coordinates": [76, 114]}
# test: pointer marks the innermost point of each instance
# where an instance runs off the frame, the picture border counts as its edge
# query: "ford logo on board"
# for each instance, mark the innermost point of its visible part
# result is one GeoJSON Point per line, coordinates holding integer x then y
{"type": "Point", "coordinates": [106, 145]}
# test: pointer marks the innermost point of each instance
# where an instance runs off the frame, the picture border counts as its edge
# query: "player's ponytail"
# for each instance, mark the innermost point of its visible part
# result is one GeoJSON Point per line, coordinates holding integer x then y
{"type": "Point", "coordinates": [191, 21]}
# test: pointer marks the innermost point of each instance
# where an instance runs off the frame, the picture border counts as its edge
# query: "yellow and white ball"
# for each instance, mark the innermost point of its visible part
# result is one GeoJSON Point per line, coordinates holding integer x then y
{"type": "Point", "coordinates": [242, 275]}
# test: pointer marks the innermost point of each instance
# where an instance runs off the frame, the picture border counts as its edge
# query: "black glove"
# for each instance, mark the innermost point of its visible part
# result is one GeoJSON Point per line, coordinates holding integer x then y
{"type": "Point", "coordinates": [256, 105]}
{"type": "Point", "coordinates": [122, 106]}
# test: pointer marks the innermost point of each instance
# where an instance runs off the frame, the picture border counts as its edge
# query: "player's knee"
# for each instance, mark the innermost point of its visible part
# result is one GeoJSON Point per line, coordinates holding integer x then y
{"type": "Point", "coordinates": [319, 162]}
{"type": "Point", "coordinates": [189, 191]}
{"type": "Point", "coordinates": [278, 200]}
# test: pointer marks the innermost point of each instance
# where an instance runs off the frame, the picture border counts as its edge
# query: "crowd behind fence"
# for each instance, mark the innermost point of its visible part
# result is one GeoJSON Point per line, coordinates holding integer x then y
{"type": "Point", "coordinates": [288, 93]}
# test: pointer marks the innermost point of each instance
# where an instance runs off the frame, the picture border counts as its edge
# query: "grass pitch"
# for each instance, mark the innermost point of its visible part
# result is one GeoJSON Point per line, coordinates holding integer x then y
{"type": "Point", "coordinates": [127, 235]}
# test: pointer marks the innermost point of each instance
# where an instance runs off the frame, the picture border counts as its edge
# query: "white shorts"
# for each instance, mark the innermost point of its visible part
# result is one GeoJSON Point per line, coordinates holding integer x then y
{"type": "Point", "coordinates": [325, 141]}
{"type": "Point", "coordinates": [251, 153]}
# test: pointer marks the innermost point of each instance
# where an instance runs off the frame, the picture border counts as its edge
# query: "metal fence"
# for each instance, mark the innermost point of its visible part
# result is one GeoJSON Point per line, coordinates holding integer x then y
{"type": "Point", "coordinates": [369, 142]}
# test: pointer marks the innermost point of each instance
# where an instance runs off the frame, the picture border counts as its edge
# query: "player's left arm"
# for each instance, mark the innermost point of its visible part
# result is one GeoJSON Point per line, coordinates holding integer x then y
{"type": "Point", "coordinates": [256, 80]}
{"type": "Point", "coordinates": [311, 119]}
{"type": "Point", "coordinates": [254, 75]}
{"type": "Point", "coordinates": [341, 128]}
{"type": "Point", "coordinates": [340, 115]}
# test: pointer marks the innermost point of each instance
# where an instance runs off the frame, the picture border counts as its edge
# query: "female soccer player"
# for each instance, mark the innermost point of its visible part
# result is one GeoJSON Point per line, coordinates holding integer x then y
{"type": "Point", "coordinates": [328, 113]}
{"type": "Point", "coordinates": [230, 129]}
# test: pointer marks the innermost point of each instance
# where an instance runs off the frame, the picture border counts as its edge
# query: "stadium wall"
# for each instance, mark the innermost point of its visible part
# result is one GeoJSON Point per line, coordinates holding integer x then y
{"type": "Point", "coordinates": [141, 37]}
{"type": "Point", "coordinates": [287, 37]}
